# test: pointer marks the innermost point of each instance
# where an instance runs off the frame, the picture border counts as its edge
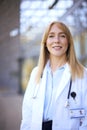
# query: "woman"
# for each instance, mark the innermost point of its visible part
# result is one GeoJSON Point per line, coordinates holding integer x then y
{"type": "Point", "coordinates": [56, 95]}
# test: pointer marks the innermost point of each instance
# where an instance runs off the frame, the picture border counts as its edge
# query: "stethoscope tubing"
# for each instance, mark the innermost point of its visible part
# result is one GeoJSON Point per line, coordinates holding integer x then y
{"type": "Point", "coordinates": [68, 96]}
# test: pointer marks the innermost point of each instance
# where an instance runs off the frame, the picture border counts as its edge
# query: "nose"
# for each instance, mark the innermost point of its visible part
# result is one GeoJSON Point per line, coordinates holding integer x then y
{"type": "Point", "coordinates": [57, 39]}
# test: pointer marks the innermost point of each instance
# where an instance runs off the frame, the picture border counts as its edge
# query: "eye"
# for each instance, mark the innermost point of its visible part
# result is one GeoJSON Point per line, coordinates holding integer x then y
{"type": "Point", "coordinates": [50, 36]}
{"type": "Point", "coordinates": [63, 35]}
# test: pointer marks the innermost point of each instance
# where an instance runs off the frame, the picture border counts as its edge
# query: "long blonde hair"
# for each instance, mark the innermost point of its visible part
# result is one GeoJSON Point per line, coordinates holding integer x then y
{"type": "Point", "coordinates": [75, 66]}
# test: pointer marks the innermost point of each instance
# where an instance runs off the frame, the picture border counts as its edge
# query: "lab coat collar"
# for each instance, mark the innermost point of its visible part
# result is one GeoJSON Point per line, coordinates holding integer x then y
{"type": "Point", "coordinates": [48, 68]}
{"type": "Point", "coordinates": [64, 80]}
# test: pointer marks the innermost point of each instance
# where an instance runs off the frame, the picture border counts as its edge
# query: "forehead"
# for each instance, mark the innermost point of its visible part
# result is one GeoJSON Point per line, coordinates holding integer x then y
{"type": "Point", "coordinates": [55, 27]}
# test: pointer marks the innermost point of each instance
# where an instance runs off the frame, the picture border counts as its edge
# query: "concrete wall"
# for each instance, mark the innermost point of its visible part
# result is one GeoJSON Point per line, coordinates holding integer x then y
{"type": "Point", "coordinates": [10, 112]}
{"type": "Point", "coordinates": [9, 46]}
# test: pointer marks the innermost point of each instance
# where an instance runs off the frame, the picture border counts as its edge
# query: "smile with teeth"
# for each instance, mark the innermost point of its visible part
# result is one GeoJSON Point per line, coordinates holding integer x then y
{"type": "Point", "coordinates": [57, 47]}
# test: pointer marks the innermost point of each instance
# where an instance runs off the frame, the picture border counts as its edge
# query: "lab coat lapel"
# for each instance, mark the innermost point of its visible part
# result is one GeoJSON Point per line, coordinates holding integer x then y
{"type": "Point", "coordinates": [38, 106]}
{"type": "Point", "coordinates": [64, 80]}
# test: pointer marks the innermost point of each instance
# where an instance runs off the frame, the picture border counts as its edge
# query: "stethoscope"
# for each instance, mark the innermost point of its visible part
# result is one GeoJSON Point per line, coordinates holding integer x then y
{"type": "Point", "coordinates": [72, 94]}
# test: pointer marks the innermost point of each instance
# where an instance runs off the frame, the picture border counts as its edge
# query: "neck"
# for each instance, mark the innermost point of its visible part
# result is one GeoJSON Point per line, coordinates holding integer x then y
{"type": "Point", "coordinates": [57, 62]}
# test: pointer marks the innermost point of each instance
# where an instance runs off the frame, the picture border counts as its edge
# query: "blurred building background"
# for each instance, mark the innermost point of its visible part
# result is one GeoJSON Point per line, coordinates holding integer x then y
{"type": "Point", "coordinates": [22, 24]}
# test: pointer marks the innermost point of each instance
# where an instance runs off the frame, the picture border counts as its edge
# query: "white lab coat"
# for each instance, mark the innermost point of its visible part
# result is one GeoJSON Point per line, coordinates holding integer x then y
{"type": "Point", "coordinates": [33, 103]}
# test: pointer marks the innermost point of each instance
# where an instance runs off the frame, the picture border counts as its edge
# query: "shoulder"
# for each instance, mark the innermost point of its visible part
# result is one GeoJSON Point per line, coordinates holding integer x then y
{"type": "Point", "coordinates": [32, 76]}
{"type": "Point", "coordinates": [31, 82]}
{"type": "Point", "coordinates": [85, 72]}
{"type": "Point", "coordinates": [84, 79]}
{"type": "Point", "coordinates": [34, 71]}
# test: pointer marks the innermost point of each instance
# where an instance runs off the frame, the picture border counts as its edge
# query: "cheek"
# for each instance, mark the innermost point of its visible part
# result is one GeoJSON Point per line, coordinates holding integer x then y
{"type": "Point", "coordinates": [66, 43]}
{"type": "Point", "coordinates": [66, 46]}
{"type": "Point", "coordinates": [47, 46]}
{"type": "Point", "coordinates": [48, 43]}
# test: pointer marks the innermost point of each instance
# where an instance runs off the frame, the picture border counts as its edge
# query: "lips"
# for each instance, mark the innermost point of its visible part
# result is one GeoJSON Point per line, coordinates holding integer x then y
{"type": "Point", "coordinates": [57, 47]}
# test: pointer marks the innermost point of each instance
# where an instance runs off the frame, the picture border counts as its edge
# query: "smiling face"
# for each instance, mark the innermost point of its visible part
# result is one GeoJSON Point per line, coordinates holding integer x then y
{"type": "Point", "coordinates": [57, 42]}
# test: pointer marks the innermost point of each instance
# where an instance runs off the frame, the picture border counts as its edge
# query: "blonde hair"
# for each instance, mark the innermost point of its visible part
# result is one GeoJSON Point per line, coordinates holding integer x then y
{"type": "Point", "coordinates": [75, 66]}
